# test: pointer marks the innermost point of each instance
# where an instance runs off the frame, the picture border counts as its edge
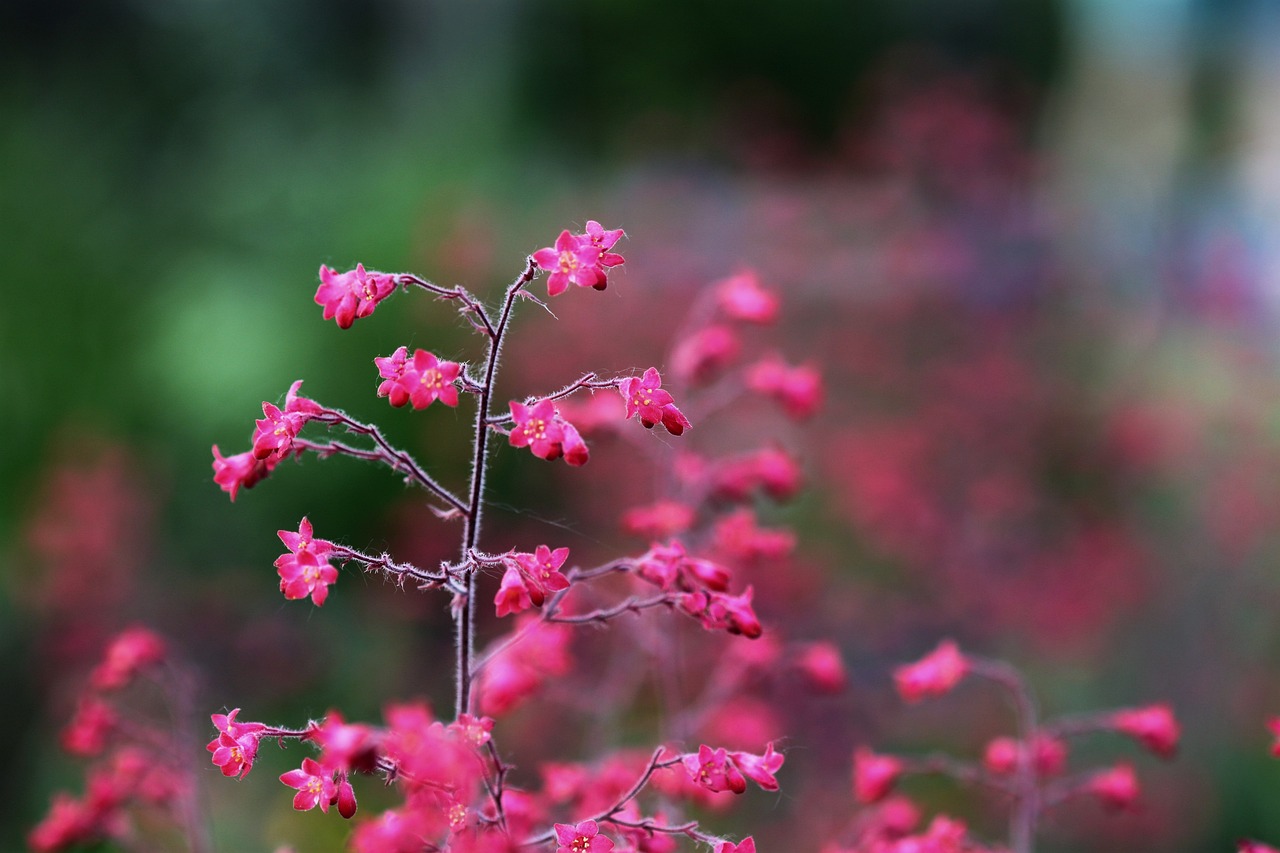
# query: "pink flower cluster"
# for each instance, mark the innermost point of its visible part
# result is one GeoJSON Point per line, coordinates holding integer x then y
{"type": "Point", "coordinates": [273, 437]}
{"type": "Point", "coordinates": [351, 295]}
{"type": "Point", "coordinates": [581, 259]}
{"type": "Point", "coordinates": [528, 578]}
{"type": "Point", "coordinates": [305, 570]}
{"type": "Point", "coordinates": [420, 380]}
{"type": "Point", "coordinates": [549, 436]}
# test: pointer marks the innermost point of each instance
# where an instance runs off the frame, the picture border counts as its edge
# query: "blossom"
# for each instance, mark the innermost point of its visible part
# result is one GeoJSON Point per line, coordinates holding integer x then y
{"type": "Point", "coordinates": [874, 775]}
{"type": "Point", "coordinates": [350, 295]}
{"type": "Point", "coordinates": [746, 845]}
{"type": "Point", "coordinates": [132, 650]}
{"type": "Point", "coordinates": [645, 397]}
{"type": "Point", "coordinates": [664, 518]}
{"type": "Point", "coordinates": [295, 404]}
{"type": "Point", "coordinates": [714, 770]}
{"type": "Point", "coordinates": [703, 354]}
{"type": "Point", "coordinates": [797, 389]}
{"type": "Point", "coordinates": [513, 595]}
{"type": "Point", "coordinates": [344, 746]}
{"type": "Point", "coordinates": [575, 449]}
{"type": "Point", "coordinates": [760, 768]}
{"type": "Point", "coordinates": [87, 733]}
{"type": "Point", "coordinates": [583, 838]}
{"type": "Point", "coordinates": [1153, 726]}
{"type": "Point", "coordinates": [242, 470]}
{"type": "Point", "coordinates": [822, 667]}
{"type": "Point", "coordinates": [1116, 788]}
{"type": "Point", "coordinates": [605, 239]}
{"type": "Point", "coordinates": [537, 428]}
{"type": "Point", "coordinates": [934, 674]}
{"type": "Point", "coordinates": [305, 570]}
{"type": "Point", "coordinates": [273, 435]}
{"type": "Point", "coordinates": [717, 610]}
{"type": "Point", "coordinates": [234, 755]}
{"type": "Point", "coordinates": [472, 730]}
{"type": "Point", "coordinates": [574, 260]}
{"type": "Point", "coordinates": [392, 368]}
{"type": "Point", "coordinates": [541, 571]}
{"type": "Point", "coordinates": [1048, 755]}
{"type": "Point", "coordinates": [1273, 725]}
{"type": "Point", "coordinates": [315, 786]}
{"type": "Point", "coordinates": [742, 298]}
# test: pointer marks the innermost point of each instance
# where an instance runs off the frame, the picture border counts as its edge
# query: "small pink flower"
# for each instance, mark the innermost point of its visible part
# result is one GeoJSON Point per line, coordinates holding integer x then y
{"type": "Point", "coordinates": [432, 379]}
{"type": "Point", "coordinates": [742, 298]}
{"type": "Point", "coordinates": [133, 650]}
{"type": "Point", "coordinates": [746, 845]}
{"type": "Point", "coordinates": [513, 594]}
{"type": "Point", "coordinates": [273, 435]}
{"type": "Point", "coordinates": [541, 571]}
{"type": "Point", "coordinates": [1154, 727]}
{"type": "Point", "coordinates": [574, 448]}
{"type": "Point", "coordinates": [760, 768]}
{"type": "Point", "coordinates": [714, 770]}
{"type": "Point", "coordinates": [658, 520]}
{"type": "Point", "coordinates": [701, 356]}
{"type": "Point", "coordinates": [797, 389]}
{"type": "Point", "coordinates": [583, 838]}
{"type": "Point", "coordinates": [474, 731]}
{"type": "Point", "coordinates": [315, 786]}
{"type": "Point", "coordinates": [236, 746]}
{"type": "Point", "coordinates": [660, 565]}
{"type": "Point", "coordinates": [573, 260]}
{"type": "Point", "coordinates": [933, 675]}
{"type": "Point", "coordinates": [242, 470]}
{"type": "Point", "coordinates": [86, 735]}
{"type": "Point", "coordinates": [874, 776]}
{"type": "Point", "coordinates": [298, 405]}
{"type": "Point", "coordinates": [604, 239]}
{"type": "Point", "coordinates": [537, 428]}
{"type": "Point", "coordinates": [1247, 846]}
{"type": "Point", "coordinates": [350, 295]}
{"type": "Point", "coordinates": [345, 746]}
{"type": "Point", "coordinates": [645, 397]}
{"type": "Point", "coordinates": [718, 611]}
{"type": "Point", "coordinates": [305, 570]}
{"type": "Point", "coordinates": [1117, 788]}
{"type": "Point", "coordinates": [822, 667]}
{"type": "Point", "coordinates": [392, 369]}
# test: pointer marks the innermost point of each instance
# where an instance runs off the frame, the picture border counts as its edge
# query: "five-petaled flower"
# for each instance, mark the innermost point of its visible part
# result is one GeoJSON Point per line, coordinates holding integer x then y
{"type": "Point", "coordinates": [574, 260]}
{"type": "Point", "coordinates": [583, 838]}
{"type": "Point", "coordinates": [714, 770]}
{"type": "Point", "coordinates": [541, 571]}
{"type": "Point", "coordinates": [315, 786]}
{"type": "Point", "coordinates": [645, 397]}
{"type": "Point", "coordinates": [236, 745]}
{"type": "Point", "coordinates": [420, 380]}
{"type": "Point", "coordinates": [537, 428]}
{"type": "Point", "coordinates": [351, 295]}
{"type": "Point", "coordinates": [273, 435]}
{"type": "Point", "coordinates": [305, 570]}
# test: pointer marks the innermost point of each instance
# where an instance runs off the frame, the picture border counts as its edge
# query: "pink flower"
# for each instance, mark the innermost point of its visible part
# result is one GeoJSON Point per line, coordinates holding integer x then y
{"type": "Point", "coordinates": [703, 354]}
{"type": "Point", "coordinates": [236, 746]}
{"type": "Point", "coordinates": [583, 838]}
{"type": "Point", "coordinates": [350, 295]}
{"type": "Point", "coordinates": [746, 845]}
{"type": "Point", "coordinates": [1049, 756]}
{"type": "Point", "coordinates": [392, 369]}
{"type": "Point", "coordinates": [132, 650]}
{"type": "Point", "coordinates": [1247, 846]}
{"type": "Point", "coordinates": [305, 570]}
{"type": "Point", "coordinates": [392, 831]}
{"type": "Point", "coordinates": [646, 398]}
{"type": "Point", "coordinates": [537, 428]}
{"type": "Point", "coordinates": [658, 520]}
{"type": "Point", "coordinates": [420, 380]}
{"type": "Point", "coordinates": [541, 571]}
{"type": "Point", "coordinates": [742, 298]}
{"type": "Point", "coordinates": [315, 786]}
{"type": "Point", "coordinates": [86, 735]}
{"type": "Point", "coordinates": [345, 746]}
{"type": "Point", "coordinates": [716, 610]}
{"type": "Point", "coordinates": [69, 822]}
{"type": "Point", "coordinates": [604, 239]}
{"type": "Point", "coordinates": [241, 470]}
{"type": "Point", "coordinates": [797, 389]}
{"type": "Point", "coordinates": [274, 434]}
{"type": "Point", "coordinates": [575, 449]}
{"type": "Point", "coordinates": [933, 675]}
{"type": "Point", "coordinates": [822, 667]}
{"type": "Point", "coordinates": [760, 768]}
{"type": "Point", "coordinates": [714, 770]}
{"type": "Point", "coordinates": [1273, 725]}
{"type": "Point", "coordinates": [1116, 789]}
{"type": "Point", "coordinates": [474, 731]}
{"type": "Point", "coordinates": [513, 595]}
{"type": "Point", "coordinates": [874, 775]}
{"type": "Point", "coordinates": [574, 260]}
{"type": "Point", "coordinates": [1153, 726]}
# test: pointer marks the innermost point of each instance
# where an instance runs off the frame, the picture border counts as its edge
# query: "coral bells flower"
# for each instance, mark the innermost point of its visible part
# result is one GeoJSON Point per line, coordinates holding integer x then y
{"type": "Point", "coordinates": [583, 838]}
{"type": "Point", "coordinates": [658, 520]}
{"type": "Point", "coordinates": [822, 667]}
{"type": "Point", "coordinates": [1116, 789]}
{"type": "Point", "coordinates": [703, 354]}
{"type": "Point", "coordinates": [305, 570]}
{"type": "Point", "coordinates": [236, 745]}
{"type": "Point", "coordinates": [874, 775]}
{"type": "Point", "coordinates": [513, 595]}
{"type": "Point", "coordinates": [604, 239]}
{"type": "Point", "coordinates": [645, 397]}
{"type": "Point", "coordinates": [742, 298]}
{"type": "Point", "coordinates": [714, 770]}
{"type": "Point", "coordinates": [86, 735]}
{"type": "Point", "coordinates": [746, 845]}
{"type": "Point", "coordinates": [1153, 726]}
{"type": "Point", "coordinates": [797, 389]}
{"type": "Point", "coordinates": [573, 260]}
{"type": "Point", "coordinates": [537, 428]}
{"type": "Point", "coordinates": [315, 786]}
{"type": "Point", "coordinates": [133, 650]}
{"type": "Point", "coordinates": [273, 435]}
{"type": "Point", "coordinates": [760, 768]}
{"type": "Point", "coordinates": [541, 571]}
{"type": "Point", "coordinates": [933, 675]}
{"type": "Point", "coordinates": [350, 295]}
{"type": "Point", "coordinates": [242, 470]}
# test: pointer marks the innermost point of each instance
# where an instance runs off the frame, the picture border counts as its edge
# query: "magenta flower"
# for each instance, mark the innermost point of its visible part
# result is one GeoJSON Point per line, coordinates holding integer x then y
{"type": "Point", "coordinates": [742, 298]}
{"type": "Point", "coordinates": [699, 357]}
{"type": "Point", "coordinates": [242, 470]}
{"type": "Point", "coordinates": [1116, 788]}
{"type": "Point", "coordinates": [874, 775]}
{"type": "Point", "coordinates": [713, 770]}
{"type": "Point", "coordinates": [537, 428]}
{"type": "Point", "coordinates": [734, 613]}
{"type": "Point", "coordinates": [86, 735]}
{"type": "Point", "coordinates": [541, 571]}
{"type": "Point", "coordinates": [305, 570]}
{"type": "Point", "coordinates": [350, 295]}
{"type": "Point", "coordinates": [132, 650]}
{"type": "Point", "coordinates": [315, 786]}
{"type": "Point", "coordinates": [583, 838]}
{"type": "Point", "coordinates": [236, 745]}
{"type": "Point", "coordinates": [645, 397]}
{"type": "Point", "coordinates": [798, 389]}
{"type": "Point", "coordinates": [760, 768]}
{"type": "Point", "coordinates": [575, 449]}
{"type": "Point", "coordinates": [431, 379]}
{"type": "Point", "coordinates": [746, 845]}
{"type": "Point", "coordinates": [573, 260]}
{"type": "Point", "coordinates": [934, 674]}
{"type": "Point", "coordinates": [345, 746]}
{"type": "Point", "coordinates": [1154, 727]}
{"type": "Point", "coordinates": [294, 404]}
{"type": "Point", "coordinates": [274, 434]}
{"type": "Point", "coordinates": [392, 369]}
{"type": "Point", "coordinates": [513, 595]}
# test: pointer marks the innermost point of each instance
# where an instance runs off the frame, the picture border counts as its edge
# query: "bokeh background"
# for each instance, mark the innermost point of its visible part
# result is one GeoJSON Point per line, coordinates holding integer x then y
{"type": "Point", "coordinates": [1034, 246]}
